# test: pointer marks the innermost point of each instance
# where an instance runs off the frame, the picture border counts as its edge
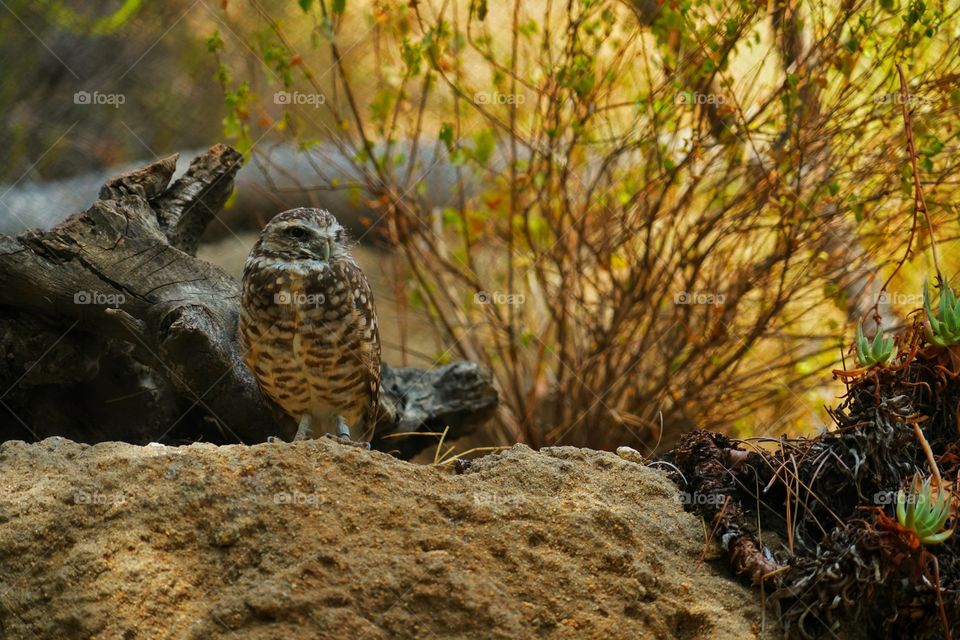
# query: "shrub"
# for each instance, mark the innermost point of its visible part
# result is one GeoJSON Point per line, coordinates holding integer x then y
{"type": "Point", "coordinates": [661, 212]}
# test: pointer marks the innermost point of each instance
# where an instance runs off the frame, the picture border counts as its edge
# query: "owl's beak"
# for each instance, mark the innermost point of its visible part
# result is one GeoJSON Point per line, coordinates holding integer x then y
{"type": "Point", "coordinates": [325, 249]}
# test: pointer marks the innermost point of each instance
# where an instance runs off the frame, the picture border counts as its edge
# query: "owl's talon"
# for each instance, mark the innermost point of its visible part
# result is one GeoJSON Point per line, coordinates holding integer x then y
{"type": "Point", "coordinates": [347, 440]}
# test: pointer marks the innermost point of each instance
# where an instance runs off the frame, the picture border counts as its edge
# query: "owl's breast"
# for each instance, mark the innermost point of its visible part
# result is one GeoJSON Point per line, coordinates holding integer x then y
{"type": "Point", "coordinates": [305, 339]}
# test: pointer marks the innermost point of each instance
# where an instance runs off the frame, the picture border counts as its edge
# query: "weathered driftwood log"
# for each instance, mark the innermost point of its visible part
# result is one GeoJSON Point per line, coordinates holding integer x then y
{"type": "Point", "coordinates": [112, 329]}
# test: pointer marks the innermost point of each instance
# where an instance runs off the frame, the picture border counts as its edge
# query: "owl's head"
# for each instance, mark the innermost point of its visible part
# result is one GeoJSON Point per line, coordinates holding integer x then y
{"type": "Point", "coordinates": [303, 234]}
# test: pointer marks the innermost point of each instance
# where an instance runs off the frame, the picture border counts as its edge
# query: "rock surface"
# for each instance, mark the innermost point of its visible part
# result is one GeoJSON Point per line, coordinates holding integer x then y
{"type": "Point", "coordinates": [322, 540]}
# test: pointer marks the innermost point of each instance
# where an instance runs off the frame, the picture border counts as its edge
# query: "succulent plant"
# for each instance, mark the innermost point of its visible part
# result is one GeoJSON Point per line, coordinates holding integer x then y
{"type": "Point", "coordinates": [879, 351]}
{"type": "Point", "coordinates": [943, 329]}
{"type": "Point", "coordinates": [920, 513]}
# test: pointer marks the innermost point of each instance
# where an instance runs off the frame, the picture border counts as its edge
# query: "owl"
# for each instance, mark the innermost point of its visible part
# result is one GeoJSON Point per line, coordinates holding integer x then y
{"type": "Point", "coordinates": [308, 325]}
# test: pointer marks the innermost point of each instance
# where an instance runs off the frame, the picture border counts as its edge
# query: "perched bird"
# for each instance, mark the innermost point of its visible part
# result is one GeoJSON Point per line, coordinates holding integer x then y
{"type": "Point", "coordinates": [308, 325]}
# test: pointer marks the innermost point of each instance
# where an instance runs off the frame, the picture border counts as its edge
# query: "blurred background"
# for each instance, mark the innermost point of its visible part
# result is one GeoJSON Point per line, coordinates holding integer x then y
{"type": "Point", "coordinates": [642, 217]}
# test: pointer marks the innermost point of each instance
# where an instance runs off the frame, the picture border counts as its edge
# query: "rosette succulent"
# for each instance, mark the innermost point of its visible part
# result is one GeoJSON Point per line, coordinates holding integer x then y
{"type": "Point", "coordinates": [920, 513]}
{"type": "Point", "coordinates": [877, 351]}
{"type": "Point", "coordinates": [943, 328]}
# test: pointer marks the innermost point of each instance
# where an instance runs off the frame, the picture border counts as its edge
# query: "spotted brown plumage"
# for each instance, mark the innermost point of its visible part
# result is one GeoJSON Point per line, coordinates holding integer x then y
{"type": "Point", "coordinates": [308, 324]}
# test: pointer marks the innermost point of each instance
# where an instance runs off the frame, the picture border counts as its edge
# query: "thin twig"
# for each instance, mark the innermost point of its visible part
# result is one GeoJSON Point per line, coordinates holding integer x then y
{"type": "Point", "coordinates": [919, 202]}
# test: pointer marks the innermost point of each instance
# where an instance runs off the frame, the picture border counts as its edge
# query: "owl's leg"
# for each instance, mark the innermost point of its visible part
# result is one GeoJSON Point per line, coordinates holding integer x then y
{"type": "Point", "coordinates": [334, 426]}
{"type": "Point", "coordinates": [337, 427]}
{"type": "Point", "coordinates": [303, 431]}
{"type": "Point", "coordinates": [343, 429]}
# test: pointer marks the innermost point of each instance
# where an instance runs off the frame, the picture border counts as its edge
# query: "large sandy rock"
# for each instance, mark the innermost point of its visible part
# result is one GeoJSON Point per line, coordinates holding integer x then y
{"type": "Point", "coordinates": [322, 540]}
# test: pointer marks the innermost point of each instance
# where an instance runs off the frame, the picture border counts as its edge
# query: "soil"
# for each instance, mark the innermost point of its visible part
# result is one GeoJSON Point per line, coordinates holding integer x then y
{"type": "Point", "coordinates": [323, 540]}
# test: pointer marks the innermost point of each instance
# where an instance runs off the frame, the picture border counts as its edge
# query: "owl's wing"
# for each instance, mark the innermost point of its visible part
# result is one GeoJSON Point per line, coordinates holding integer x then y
{"type": "Point", "coordinates": [365, 315]}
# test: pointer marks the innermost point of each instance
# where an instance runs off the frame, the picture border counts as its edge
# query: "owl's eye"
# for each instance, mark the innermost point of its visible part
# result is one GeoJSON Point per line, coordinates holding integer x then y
{"type": "Point", "coordinates": [297, 232]}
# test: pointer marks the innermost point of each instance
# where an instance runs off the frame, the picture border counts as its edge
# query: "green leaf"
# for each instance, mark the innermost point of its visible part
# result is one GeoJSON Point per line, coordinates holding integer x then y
{"type": "Point", "coordinates": [937, 538]}
{"type": "Point", "coordinates": [919, 512]}
{"type": "Point", "coordinates": [528, 28]}
{"type": "Point", "coordinates": [305, 4]}
{"type": "Point", "coordinates": [214, 42]}
{"type": "Point", "coordinates": [932, 147]}
{"type": "Point", "coordinates": [339, 6]}
{"type": "Point", "coordinates": [934, 323]}
{"type": "Point", "coordinates": [940, 511]}
{"type": "Point", "coordinates": [451, 217]}
{"type": "Point", "coordinates": [861, 346]}
{"type": "Point", "coordinates": [412, 55]}
{"type": "Point", "coordinates": [446, 136]}
{"type": "Point", "coordinates": [484, 145]}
